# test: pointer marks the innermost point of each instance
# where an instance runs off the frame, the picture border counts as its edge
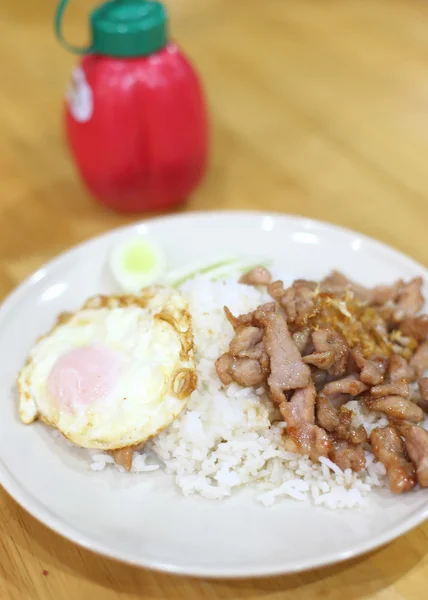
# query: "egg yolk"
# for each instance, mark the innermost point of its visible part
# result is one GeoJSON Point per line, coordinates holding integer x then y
{"type": "Point", "coordinates": [83, 377]}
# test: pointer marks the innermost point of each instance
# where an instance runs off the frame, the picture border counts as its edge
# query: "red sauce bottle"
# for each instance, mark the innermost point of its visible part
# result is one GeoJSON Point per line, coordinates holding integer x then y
{"type": "Point", "coordinates": [135, 112]}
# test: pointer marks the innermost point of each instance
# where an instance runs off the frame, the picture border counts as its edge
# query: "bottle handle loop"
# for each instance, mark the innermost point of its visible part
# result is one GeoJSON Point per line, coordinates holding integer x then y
{"type": "Point", "coordinates": [58, 31]}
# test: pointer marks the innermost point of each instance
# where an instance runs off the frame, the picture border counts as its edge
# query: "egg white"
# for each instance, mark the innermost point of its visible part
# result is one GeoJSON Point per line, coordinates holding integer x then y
{"type": "Point", "coordinates": [152, 335]}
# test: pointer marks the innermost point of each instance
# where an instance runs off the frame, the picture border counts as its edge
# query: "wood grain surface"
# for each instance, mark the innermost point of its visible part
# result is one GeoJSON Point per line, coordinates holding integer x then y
{"type": "Point", "coordinates": [318, 108]}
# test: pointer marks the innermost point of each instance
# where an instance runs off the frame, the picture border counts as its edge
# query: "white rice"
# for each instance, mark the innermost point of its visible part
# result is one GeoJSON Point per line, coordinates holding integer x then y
{"type": "Point", "coordinates": [231, 437]}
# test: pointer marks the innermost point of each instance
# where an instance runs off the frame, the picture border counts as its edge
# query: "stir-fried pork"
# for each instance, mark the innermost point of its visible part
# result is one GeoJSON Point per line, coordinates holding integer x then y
{"type": "Point", "coordinates": [348, 385]}
{"type": "Point", "coordinates": [287, 370]}
{"type": "Point", "coordinates": [416, 441]}
{"type": "Point", "coordinates": [346, 455]}
{"type": "Point", "coordinates": [297, 301]}
{"type": "Point", "coordinates": [393, 388]}
{"type": "Point", "coordinates": [257, 276]}
{"type": "Point", "coordinates": [423, 393]}
{"type": "Point", "coordinates": [389, 449]}
{"type": "Point", "coordinates": [419, 361]}
{"type": "Point", "coordinates": [415, 327]}
{"type": "Point", "coordinates": [372, 371]}
{"type": "Point", "coordinates": [328, 340]}
{"type": "Point", "coordinates": [397, 407]}
{"type": "Point", "coordinates": [302, 435]}
{"type": "Point", "coordinates": [410, 300]}
{"type": "Point", "coordinates": [339, 421]}
{"type": "Point", "coordinates": [368, 344]}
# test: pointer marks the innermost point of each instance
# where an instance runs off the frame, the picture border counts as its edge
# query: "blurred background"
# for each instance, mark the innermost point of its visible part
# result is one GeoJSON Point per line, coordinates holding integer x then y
{"type": "Point", "coordinates": [317, 107]}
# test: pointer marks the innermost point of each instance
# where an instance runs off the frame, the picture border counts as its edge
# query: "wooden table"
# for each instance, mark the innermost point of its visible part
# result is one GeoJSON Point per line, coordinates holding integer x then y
{"type": "Point", "coordinates": [318, 108]}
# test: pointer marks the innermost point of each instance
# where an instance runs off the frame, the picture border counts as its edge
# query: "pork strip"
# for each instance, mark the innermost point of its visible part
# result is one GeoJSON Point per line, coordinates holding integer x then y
{"type": "Point", "coordinates": [419, 361]}
{"type": "Point", "coordinates": [393, 388]}
{"type": "Point", "coordinates": [338, 421]}
{"type": "Point", "coordinates": [397, 407]}
{"type": "Point", "coordinates": [423, 393]}
{"type": "Point", "coordinates": [287, 370]}
{"type": "Point", "coordinates": [257, 276]}
{"type": "Point", "coordinates": [328, 340]}
{"type": "Point", "coordinates": [416, 441]}
{"type": "Point", "coordinates": [302, 435]}
{"type": "Point", "coordinates": [346, 455]}
{"type": "Point", "coordinates": [389, 449]}
{"type": "Point", "coordinates": [415, 327]}
{"type": "Point", "coordinates": [348, 385]}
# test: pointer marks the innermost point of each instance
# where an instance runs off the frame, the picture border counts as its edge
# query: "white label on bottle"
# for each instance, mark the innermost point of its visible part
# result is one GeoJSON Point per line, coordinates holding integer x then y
{"type": "Point", "coordinates": [79, 96]}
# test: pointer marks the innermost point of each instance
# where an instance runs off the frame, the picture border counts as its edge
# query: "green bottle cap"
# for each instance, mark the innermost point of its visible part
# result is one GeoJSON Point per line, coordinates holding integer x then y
{"type": "Point", "coordinates": [122, 28]}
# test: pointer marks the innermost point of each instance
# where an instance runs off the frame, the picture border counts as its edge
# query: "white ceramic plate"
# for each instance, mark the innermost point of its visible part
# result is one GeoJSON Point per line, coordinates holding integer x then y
{"type": "Point", "coordinates": [143, 519]}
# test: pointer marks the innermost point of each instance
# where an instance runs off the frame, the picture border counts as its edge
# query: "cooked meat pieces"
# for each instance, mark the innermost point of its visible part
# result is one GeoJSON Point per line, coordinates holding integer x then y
{"type": "Point", "coordinates": [346, 455]}
{"type": "Point", "coordinates": [297, 301]}
{"type": "Point", "coordinates": [257, 276]}
{"type": "Point", "coordinates": [245, 371]}
{"type": "Point", "coordinates": [302, 338]}
{"type": "Point", "coordinates": [123, 457]}
{"type": "Point", "coordinates": [319, 378]}
{"type": "Point", "coordinates": [348, 385]}
{"type": "Point", "coordinates": [419, 361]}
{"type": "Point", "coordinates": [328, 340]}
{"type": "Point", "coordinates": [223, 367]}
{"type": "Point", "coordinates": [248, 318]}
{"type": "Point", "coordinates": [371, 371]}
{"type": "Point", "coordinates": [287, 370]}
{"type": "Point", "coordinates": [415, 327]}
{"type": "Point", "coordinates": [416, 441]}
{"type": "Point", "coordinates": [336, 283]}
{"type": "Point", "coordinates": [423, 393]}
{"type": "Point", "coordinates": [389, 449]}
{"type": "Point", "coordinates": [400, 369]}
{"type": "Point", "coordinates": [397, 407]}
{"type": "Point", "coordinates": [410, 300]}
{"type": "Point", "coordinates": [302, 435]}
{"type": "Point", "coordinates": [393, 388]}
{"type": "Point", "coordinates": [245, 339]}
{"type": "Point", "coordinates": [338, 421]}
{"type": "Point", "coordinates": [322, 360]}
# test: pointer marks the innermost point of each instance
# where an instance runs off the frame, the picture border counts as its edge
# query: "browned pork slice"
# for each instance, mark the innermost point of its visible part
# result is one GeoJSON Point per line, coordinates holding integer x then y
{"type": "Point", "coordinates": [297, 301]}
{"type": "Point", "coordinates": [322, 360]}
{"type": "Point", "coordinates": [416, 327]}
{"type": "Point", "coordinates": [397, 407]}
{"type": "Point", "coordinates": [302, 338]}
{"type": "Point", "coordinates": [423, 392]}
{"type": "Point", "coordinates": [328, 340]}
{"type": "Point", "coordinates": [346, 455]}
{"type": "Point", "coordinates": [410, 300]}
{"type": "Point", "coordinates": [389, 449]}
{"type": "Point", "coordinates": [400, 369]}
{"type": "Point", "coordinates": [245, 371]}
{"type": "Point", "coordinates": [372, 371]}
{"type": "Point", "coordinates": [393, 388]}
{"type": "Point", "coordinates": [419, 361]}
{"type": "Point", "coordinates": [248, 318]}
{"type": "Point", "coordinates": [348, 385]}
{"type": "Point", "coordinates": [338, 421]}
{"type": "Point", "coordinates": [416, 441]}
{"type": "Point", "coordinates": [302, 435]}
{"type": "Point", "coordinates": [245, 339]}
{"type": "Point", "coordinates": [336, 283]}
{"type": "Point", "coordinates": [257, 276]}
{"type": "Point", "coordinates": [287, 370]}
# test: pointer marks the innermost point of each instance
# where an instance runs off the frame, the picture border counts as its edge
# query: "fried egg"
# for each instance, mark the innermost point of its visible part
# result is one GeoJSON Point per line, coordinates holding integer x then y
{"type": "Point", "coordinates": [115, 373]}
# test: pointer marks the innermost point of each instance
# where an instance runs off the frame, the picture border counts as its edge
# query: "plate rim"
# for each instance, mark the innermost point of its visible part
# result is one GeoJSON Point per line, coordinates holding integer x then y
{"type": "Point", "coordinates": [41, 513]}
